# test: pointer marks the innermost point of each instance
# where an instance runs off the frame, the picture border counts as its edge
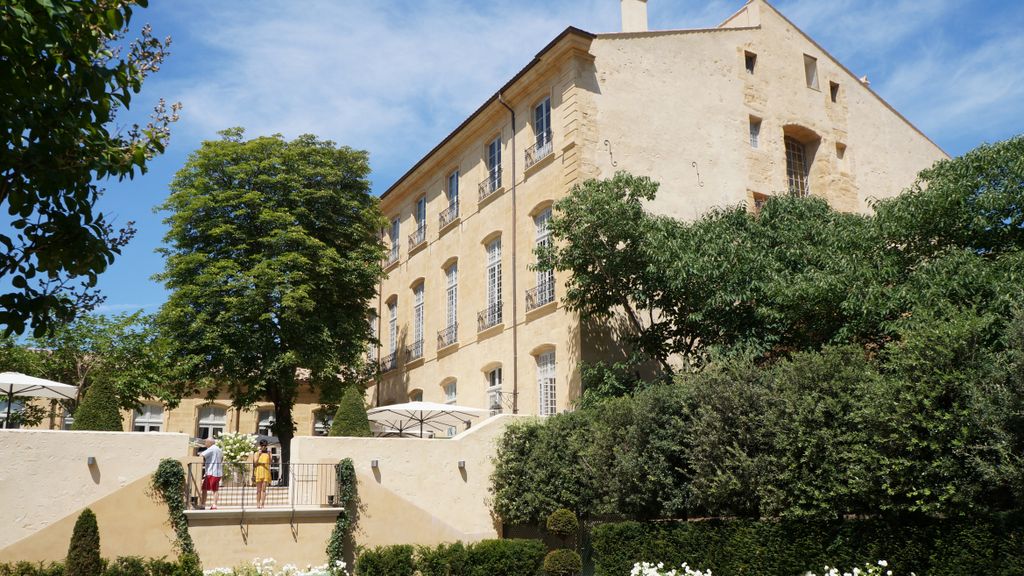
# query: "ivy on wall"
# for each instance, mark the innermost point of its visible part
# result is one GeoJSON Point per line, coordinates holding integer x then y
{"type": "Point", "coordinates": [347, 499]}
{"type": "Point", "coordinates": [169, 485]}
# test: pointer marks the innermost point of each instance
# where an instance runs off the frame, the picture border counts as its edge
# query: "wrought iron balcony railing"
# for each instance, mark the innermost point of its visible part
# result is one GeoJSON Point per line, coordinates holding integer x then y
{"type": "Point", "coordinates": [389, 362]}
{"type": "Point", "coordinates": [540, 150]}
{"type": "Point", "coordinates": [392, 256]}
{"type": "Point", "coordinates": [414, 351]}
{"type": "Point", "coordinates": [290, 486]}
{"type": "Point", "coordinates": [448, 336]}
{"type": "Point", "coordinates": [541, 295]}
{"type": "Point", "coordinates": [448, 215]}
{"type": "Point", "coordinates": [488, 317]}
{"type": "Point", "coordinates": [418, 237]}
{"type": "Point", "coordinates": [491, 184]}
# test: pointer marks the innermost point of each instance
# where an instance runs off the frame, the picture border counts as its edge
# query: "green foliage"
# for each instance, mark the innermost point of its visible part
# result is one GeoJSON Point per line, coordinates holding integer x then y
{"type": "Point", "coordinates": [168, 485]}
{"type": "Point", "coordinates": [32, 569]}
{"type": "Point", "coordinates": [563, 523]}
{"type": "Point", "coordinates": [272, 255]}
{"type": "Point", "coordinates": [925, 546]}
{"type": "Point", "coordinates": [186, 565]}
{"type": "Point", "coordinates": [396, 560]}
{"type": "Point", "coordinates": [444, 560]}
{"type": "Point", "coordinates": [506, 557]}
{"type": "Point", "coordinates": [563, 562]}
{"type": "Point", "coordinates": [346, 498]}
{"type": "Point", "coordinates": [84, 550]}
{"type": "Point", "coordinates": [351, 418]}
{"type": "Point", "coordinates": [65, 74]}
{"type": "Point", "coordinates": [99, 409]}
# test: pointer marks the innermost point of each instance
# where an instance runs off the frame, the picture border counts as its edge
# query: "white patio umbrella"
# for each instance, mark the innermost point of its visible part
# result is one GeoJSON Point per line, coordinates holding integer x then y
{"type": "Point", "coordinates": [402, 418]}
{"type": "Point", "coordinates": [17, 384]}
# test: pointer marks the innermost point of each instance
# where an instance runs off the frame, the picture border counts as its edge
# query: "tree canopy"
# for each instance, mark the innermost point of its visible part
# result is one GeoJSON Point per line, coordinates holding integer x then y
{"type": "Point", "coordinates": [273, 255]}
{"type": "Point", "coordinates": [65, 74]}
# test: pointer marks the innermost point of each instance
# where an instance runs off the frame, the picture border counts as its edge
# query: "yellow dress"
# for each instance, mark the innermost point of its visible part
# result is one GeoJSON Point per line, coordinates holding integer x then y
{"type": "Point", "coordinates": [261, 470]}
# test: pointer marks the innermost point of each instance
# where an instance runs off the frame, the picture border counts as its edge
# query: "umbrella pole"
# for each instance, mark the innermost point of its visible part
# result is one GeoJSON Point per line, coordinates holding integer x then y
{"type": "Point", "coordinates": [10, 398]}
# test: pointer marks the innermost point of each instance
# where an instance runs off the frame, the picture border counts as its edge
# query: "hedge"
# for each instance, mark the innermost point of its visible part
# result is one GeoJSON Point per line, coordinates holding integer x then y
{"type": "Point", "coordinates": [187, 565]}
{"type": "Point", "coordinates": [484, 558]}
{"type": "Point", "coordinates": [993, 546]}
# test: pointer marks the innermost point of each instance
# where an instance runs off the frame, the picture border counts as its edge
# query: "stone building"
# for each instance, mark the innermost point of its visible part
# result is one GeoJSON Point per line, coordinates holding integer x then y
{"type": "Point", "coordinates": [718, 116]}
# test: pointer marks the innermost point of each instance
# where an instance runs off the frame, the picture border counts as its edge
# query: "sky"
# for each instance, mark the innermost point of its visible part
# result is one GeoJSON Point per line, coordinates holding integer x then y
{"type": "Point", "coordinates": [395, 77]}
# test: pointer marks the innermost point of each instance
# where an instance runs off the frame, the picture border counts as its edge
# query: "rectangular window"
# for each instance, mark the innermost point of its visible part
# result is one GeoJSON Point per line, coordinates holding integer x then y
{"type": "Point", "coordinates": [494, 163]}
{"type": "Point", "coordinates": [833, 91]}
{"type": "Point", "coordinates": [542, 123]}
{"type": "Point", "coordinates": [544, 291]}
{"type": "Point", "coordinates": [811, 71]}
{"type": "Point", "coordinates": [149, 418]}
{"type": "Point", "coordinates": [755, 131]}
{"type": "Point", "coordinates": [417, 322]}
{"type": "Point", "coordinates": [212, 421]}
{"type": "Point", "coordinates": [392, 327]}
{"type": "Point", "coordinates": [546, 383]}
{"type": "Point", "coordinates": [421, 212]}
{"type": "Point", "coordinates": [750, 61]}
{"type": "Point", "coordinates": [453, 190]}
{"type": "Point", "coordinates": [796, 166]}
{"type": "Point", "coordinates": [452, 296]}
{"type": "Point", "coordinates": [393, 235]}
{"type": "Point", "coordinates": [450, 393]}
{"type": "Point", "coordinates": [371, 350]}
{"type": "Point", "coordinates": [494, 273]}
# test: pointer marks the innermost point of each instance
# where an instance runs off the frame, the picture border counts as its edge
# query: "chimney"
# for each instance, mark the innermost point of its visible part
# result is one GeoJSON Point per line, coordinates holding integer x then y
{"type": "Point", "coordinates": [634, 15]}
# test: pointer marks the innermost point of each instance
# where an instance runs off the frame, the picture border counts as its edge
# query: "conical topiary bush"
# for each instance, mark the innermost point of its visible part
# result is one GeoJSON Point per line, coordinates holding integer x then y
{"type": "Point", "coordinates": [99, 409]}
{"type": "Point", "coordinates": [351, 419]}
{"type": "Point", "coordinates": [84, 551]}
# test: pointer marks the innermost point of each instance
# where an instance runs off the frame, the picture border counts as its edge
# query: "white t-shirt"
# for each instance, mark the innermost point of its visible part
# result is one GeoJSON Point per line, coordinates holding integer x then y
{"type": "Point", "coordinates": [214, 459]}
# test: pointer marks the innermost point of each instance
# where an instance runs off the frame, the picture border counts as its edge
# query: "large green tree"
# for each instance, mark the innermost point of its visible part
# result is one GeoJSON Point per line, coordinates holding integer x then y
{"type": "Point", "coordinates": [65, 74]}
{"type": "Point", "coordinates": [272, 257]}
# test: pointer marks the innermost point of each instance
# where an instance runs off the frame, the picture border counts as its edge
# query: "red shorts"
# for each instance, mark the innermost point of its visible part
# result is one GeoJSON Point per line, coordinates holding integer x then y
{"type": "Point", "coordinates": [211, 483]}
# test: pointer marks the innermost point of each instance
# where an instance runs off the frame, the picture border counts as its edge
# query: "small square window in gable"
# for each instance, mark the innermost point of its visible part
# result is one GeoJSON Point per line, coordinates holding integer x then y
{"type": "Point", "coordinates": [833, 91]}
{"type": "Point", "coordinates": [811, 71]}
{"type": "Point", "coordinates": [749, 61]}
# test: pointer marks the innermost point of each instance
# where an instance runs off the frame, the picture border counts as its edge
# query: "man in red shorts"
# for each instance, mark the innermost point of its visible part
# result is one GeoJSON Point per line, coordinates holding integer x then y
{"type": "Point", "coordinates": [213, 460]}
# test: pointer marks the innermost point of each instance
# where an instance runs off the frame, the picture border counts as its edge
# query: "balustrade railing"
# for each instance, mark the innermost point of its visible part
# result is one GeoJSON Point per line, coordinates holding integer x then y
{"type": "Point", "coordinates": [540, 150]}
{"type": "Point", "coordinates": [491, 184]}
{"type": "Point", "coordinates": [448, 336]}
{"type": "Point", "coordinates": [414, 351]}
{"type": "Point", "coordinates": [291, 486]}
{"type": "Point", "coordinates": [389, 362]}
{"type": "Point", "coordinates": [418, 237]}
{"type": "Point", "coordinates": [489, 317]}
{"type": "Point", "coordinates": [392, 256]}
{"type": "Point", "coordinates": [541, 295]}
{"type": "Point", "coordinates": [448, 215]}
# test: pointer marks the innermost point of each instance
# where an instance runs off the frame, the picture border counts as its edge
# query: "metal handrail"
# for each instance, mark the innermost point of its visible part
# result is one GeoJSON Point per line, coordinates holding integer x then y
{"type": "Point", "coordinates": [491, 184]}
{"type": "Point", "coordinates": [488, 317]}
{"type": "Point", "coordinates": [304, 485]}
{"type": "Point", "coordinates": [418, 237]}
{"type": "Point", "coordinates": [540, 150]}
{"type": "Point", "coordinates": [448, 215]}
{"type": "Point", "coordinates": [448, 336]}
{"type": "Point", "coordinates": [415, 350]}
{"type": "Point", "coordinates": [541, 295]}
{"type": "Point", "coordinates": [389, 362]}
{"type": "Point", "coordinates": [392, 256]}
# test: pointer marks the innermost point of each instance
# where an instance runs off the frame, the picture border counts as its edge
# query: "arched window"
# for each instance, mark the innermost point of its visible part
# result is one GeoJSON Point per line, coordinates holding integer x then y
{"type": "Point", "coordinates": [212, 421]}
{"type": "Point", "coordinates": [148, 418]}
{"type": "Point", "coordinates": [265, 423]}
{"type": "Point", "coordinates": [797, 167]}
{"type": "Point", "coordinates": [416, 395]}
{"type": "Point", "coordinates": [450, 391]}
{"type": "Point", "coordinates": [494, 390]}
{"type": "Point", "coordinates": [416, 349]}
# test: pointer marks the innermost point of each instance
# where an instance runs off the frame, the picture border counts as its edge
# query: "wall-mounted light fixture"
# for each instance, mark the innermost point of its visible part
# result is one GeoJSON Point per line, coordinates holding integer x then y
{"type": "Point", "coordinates": [462, 464]}
{"type": "Point", "coordinates": [90, 461]}
{"type": "Point", "coordinates": [374, 463]}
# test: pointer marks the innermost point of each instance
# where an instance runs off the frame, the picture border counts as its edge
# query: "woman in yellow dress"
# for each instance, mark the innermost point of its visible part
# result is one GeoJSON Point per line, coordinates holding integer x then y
{"type": "Point", "coordinates": [261, 473]}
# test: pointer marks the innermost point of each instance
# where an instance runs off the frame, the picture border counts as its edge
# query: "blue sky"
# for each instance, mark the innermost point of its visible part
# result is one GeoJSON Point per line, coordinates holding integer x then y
{"type": "Point", "coordinates": [395, 76]}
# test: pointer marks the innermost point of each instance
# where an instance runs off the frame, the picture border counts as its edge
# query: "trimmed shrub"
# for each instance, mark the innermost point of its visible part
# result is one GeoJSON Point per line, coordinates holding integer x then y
{"type": "Point", "coordinates": [32, 569]}
{"type": "Point", "coordinates": [188, 565]}
{"type": "Point", "coordinates": [445, 560]}
{"type": "Point", "coordinates": [351, 419]}
{"type": "Point", "coordinates": [506, 557]}
{"type": "Point", "coordinates": [563, 523]}
{"type": "Point", "coordinates": [127, 566]}
{"type": "Point", "coordinates": [99, 409]}
{"type": "Point", "coordinates": [926, 546]}
{"type": "Point", "coordinates": [394, 560]}
{"type": "Point", "coordinates": [563, 562]}
{"type": "Point", "coordinates": [84, 551]}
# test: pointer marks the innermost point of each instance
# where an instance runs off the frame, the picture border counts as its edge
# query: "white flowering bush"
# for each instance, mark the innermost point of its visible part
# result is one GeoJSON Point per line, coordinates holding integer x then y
{"type": "Point", "coordinates": [237, 447]}
{"type": "Point", "coordinates": [879, 569]}
{"type": "Point", "coordinates": [648, 569]}
{"type": "Point", "coordinates": [268, 567]}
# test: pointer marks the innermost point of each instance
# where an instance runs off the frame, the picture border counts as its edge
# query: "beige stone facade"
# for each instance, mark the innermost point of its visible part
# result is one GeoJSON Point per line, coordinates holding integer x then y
{"type": "Point", "coordinates": [720, 116]}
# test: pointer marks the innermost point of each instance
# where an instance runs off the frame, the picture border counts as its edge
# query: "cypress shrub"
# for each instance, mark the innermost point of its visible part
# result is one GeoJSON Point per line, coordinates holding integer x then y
{"type": "Point", "coordinates": [563, 523]}
{"type": "Point", "coordinates": [84, 551]}
{"type": "Point", "coordinates": [99, 409]}
{"type": "Point", "coordinates": [351, 419]}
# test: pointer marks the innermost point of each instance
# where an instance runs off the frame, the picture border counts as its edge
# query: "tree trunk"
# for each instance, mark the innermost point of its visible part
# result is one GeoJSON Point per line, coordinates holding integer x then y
{"type": "Point", "coordinates": [283, 397]}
